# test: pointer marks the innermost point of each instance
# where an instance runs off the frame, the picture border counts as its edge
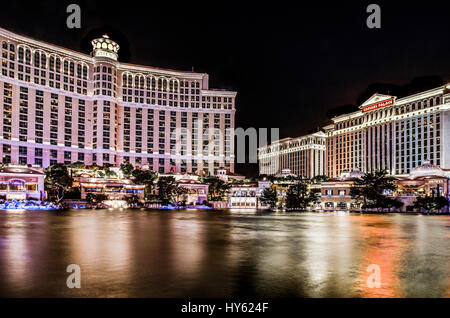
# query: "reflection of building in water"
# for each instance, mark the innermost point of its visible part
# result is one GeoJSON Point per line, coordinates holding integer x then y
{"type": "Point", "coordinates": [384, 249]}
{"type": "Point", "coordinates": [22, 182]}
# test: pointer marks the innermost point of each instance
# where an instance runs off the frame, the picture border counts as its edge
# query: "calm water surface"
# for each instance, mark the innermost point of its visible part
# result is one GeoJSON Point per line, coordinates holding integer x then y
{"type": "Point", "coordinates": [221, 254]}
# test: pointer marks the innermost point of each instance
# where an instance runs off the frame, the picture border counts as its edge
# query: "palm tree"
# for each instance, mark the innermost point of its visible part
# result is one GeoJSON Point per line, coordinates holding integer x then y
{"type": "Point", "coordinates": [57, 180]}
{"type": "Point", "coordinates": [218, 189]}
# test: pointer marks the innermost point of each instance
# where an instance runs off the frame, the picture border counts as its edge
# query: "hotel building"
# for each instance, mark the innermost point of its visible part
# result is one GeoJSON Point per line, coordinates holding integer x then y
{"type": "Point", "coordinates": [61, 106]}
{"type": "Point", "coordinates": [395, 134]}
{"type": "Point", "coordinates": [304, 156]}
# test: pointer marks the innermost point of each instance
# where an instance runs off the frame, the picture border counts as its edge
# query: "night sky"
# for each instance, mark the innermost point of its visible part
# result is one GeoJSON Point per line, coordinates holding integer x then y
{"type": "Point", "coordinates": [289, 64]}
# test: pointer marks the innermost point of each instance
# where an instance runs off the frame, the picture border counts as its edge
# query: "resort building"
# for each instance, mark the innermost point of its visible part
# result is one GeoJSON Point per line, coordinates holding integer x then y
{"type": "Point", "coordinates": [335, 193]}
{"type": "Point", "coordinates": [390, 133]}
{"type": "Point", "coordinates": [304, 156]}
{"type": "Point", "coordinates": [22, 183]}
{"type": "Point", "coordinates": [196, 192]}
{"type": "Point", "coordinates": [113, 185]}
{"type": "Point", "coordinates": [246, 196]}
{"type": "Point", "coordinates": [227, 176]}
{"type": "Point", "coordinates": [425, 180]}
{"type": "Point", "coordinates": [61, 106]}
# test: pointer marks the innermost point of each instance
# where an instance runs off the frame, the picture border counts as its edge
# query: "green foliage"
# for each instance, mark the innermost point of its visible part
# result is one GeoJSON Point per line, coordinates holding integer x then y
{"type": "Point", "coordinates": [315, 195]}
{"type": "Point", "coordinates": [127, 169]}
{"type": "Point", "coordinates": [370, 190]}
{"type": "Point", "coordinates": [132, 200]}
{"type": "Point", "coordinates": [107, 173]}
{"type": "Point", "coordinates": [74, 194]}
{"type": "Point", "coordinates": [319, 179]}
{"type": "Point", "coordinates": [167, 189]}
{"type": "Point", "coordinates": [297, 196]}
{"type": "Point", "coordinates": [429, 203]}
{"type": "Point", "coordinates": [146, 178]}
{"type": "Point", "coordinates": [78, 165]}
{"type": "Point", "coordinates": [57, 181]}
{"type": "Point", "coordinates": [269, 197]}
{"type": "Point", "coordinates": [218, 189]}
{"type": "Point", "coordinates": [94, 198]}
{"type": "Point", "coordinates": [270, 178]}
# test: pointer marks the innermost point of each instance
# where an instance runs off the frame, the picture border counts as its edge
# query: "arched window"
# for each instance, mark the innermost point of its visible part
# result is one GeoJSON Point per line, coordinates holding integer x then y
{"type": "Point", "coordinates": [28, 56]}
{"type": "Point", "coordinates": [160, 84]}
{"type": "Point", "coordinates": [21, 54]}
{"type": "Point", "coordinates": [58, 64]}
{"type": "Point", "coordinates": [43, 60]}
{"type": "Point", "coordinates": [52, 63]}
{"type": "Point", "coordinates": [37, 59]}
{"type": "Point", "coordinates": [66, 67]}
{"type": "Point", "coordinates": [85, 72]}
{"type": "Point", "coordinates": [72, 68]}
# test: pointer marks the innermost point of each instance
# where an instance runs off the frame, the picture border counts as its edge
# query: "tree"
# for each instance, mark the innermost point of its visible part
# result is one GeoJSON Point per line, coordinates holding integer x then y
{"type": "Point", "coordinates": [319, 179]}
{"type": "Point", "coordinates": [146, 178]}
{"type": "Point", "coordinates": [315, 195]}
{"type": "Point", "coordinates": [429, 203]}
{"type": "Point", "coordinates": [95, 198]}
{"type": "Point", "coordinates": [57, 181]}
{"type": "Point", "coordinates": [78, 165]}
{"type": "Point", "coordinates": [132, 200]}
{"type": "Point", "coordinates": [218, 189]}
{"type": "Point", "coordinates": [371, 189]}
{"type": "Point", "coordinates": [127, 169]}
{"type": "Point", "coordinates": [167, 189]}
{"type": "Point", "coordinates": [297, 196]}
{"type": "Point", "coordinates": [269, 197]}
{"type": "Point", "coordinates": [107, 173]}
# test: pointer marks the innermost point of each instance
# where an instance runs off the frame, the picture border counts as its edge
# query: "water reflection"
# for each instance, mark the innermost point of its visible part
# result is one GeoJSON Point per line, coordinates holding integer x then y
{"type": "Point", "coordinates": [222, 254]}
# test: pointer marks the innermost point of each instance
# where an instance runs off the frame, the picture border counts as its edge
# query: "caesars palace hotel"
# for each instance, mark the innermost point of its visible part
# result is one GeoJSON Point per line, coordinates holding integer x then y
{"type": "Point", "coordinates": [395, 134]}
{"type": "Point", "coordinates": [61, 106]}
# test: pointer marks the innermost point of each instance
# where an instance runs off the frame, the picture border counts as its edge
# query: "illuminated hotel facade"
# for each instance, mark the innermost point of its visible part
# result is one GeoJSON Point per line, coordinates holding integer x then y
{"type": "Point", "coordinates": [61, 106]}
{"type": "Point", "coordinates": [390, 133]}
{"type": "Point", "coordinates": [304, 156]}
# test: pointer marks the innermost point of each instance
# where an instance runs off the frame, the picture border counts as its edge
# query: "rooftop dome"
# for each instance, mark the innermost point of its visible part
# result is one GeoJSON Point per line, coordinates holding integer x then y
{"type": "Point", "coordinates": [355, 173]}
{"type": "Point", "coordinates": [426, 169]}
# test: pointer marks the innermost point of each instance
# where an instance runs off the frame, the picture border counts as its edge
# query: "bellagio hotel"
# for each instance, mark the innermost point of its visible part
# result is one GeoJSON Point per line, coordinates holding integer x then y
{"type": "Point", "coordinates": [61, 106]}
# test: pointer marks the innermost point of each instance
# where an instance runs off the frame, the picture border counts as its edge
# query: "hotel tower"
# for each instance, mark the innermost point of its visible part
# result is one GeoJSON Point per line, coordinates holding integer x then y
{"type": "Point", "coordinates": [304, 156]}
{"type": "Point", "coordinates": [61, 106]}
{"type": "Point", "coordinates": [390, 133]}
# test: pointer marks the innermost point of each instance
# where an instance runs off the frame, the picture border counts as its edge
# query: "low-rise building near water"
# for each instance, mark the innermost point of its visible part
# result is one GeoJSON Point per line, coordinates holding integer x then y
{"type": "Point", "coordinates": [22, 182]}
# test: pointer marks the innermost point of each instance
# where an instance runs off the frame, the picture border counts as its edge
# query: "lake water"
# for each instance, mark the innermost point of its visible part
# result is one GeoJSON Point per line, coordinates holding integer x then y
{"type": "Point", "coordinates": [139, 253]}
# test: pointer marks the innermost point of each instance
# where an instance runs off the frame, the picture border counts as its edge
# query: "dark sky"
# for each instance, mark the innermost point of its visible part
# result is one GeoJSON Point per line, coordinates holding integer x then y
{"type": "Point", "coordinates": [289, 64]}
